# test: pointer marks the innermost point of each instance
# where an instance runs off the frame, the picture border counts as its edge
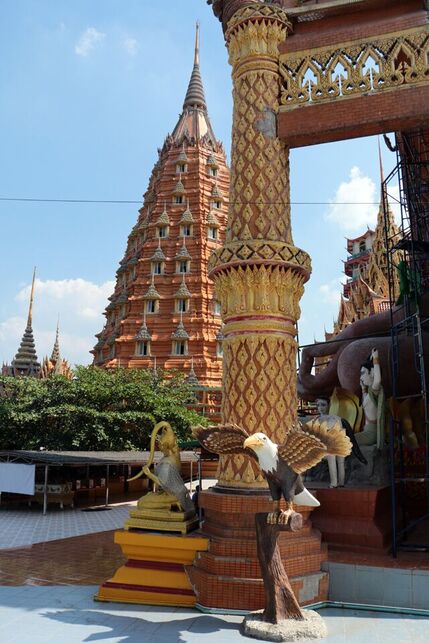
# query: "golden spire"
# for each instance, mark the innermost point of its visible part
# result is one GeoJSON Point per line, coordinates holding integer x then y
{"type": "Point", "coordinates": [30, 308]}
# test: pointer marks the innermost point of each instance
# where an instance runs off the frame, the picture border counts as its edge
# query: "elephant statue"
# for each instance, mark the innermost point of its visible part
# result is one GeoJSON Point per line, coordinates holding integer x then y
{"type": "Point", "coordinates": [351, 348]}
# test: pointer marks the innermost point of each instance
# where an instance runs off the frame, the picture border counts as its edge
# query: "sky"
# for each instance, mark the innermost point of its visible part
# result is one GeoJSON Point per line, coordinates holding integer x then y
{"type": "Point", "coordinates": [88, 91]}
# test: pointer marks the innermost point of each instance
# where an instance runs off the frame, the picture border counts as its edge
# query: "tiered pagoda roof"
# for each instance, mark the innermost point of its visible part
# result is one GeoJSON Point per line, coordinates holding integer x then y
{"type": "Point", "coordinates": [26, 363]}
{"type": "Point", "coordinates": [163, 308]}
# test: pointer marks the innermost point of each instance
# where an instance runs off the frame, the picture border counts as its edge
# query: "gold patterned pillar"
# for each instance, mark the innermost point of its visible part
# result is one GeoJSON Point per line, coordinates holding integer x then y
{"type": "Point", "coordinates": [259, 274]}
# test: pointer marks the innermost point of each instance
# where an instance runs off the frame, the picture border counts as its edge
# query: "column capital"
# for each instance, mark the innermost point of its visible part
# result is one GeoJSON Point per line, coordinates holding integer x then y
{"type": "Point", "coordinates": [226, 9]}
{"type": "Point", "coordinates": [256, 30]}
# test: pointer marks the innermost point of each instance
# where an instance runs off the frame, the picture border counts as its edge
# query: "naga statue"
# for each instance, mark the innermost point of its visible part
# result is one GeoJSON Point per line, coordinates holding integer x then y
{"type": "Point", "coordinates": [169, 507]}
{"type": "Point", "coordinates": [350, 349]}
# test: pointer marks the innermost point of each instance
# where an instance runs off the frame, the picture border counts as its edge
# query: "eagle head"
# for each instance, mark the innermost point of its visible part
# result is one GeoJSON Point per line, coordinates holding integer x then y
{"type": "Point", "coordinates": [265, 450]}
{"type": "Point", "coordinates": [257, 441]}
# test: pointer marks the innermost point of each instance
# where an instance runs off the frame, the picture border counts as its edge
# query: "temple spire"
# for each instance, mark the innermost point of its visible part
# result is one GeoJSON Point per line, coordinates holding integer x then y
{"type": "Point", "coordinates": [26, 362]}
{"type": "Point", "coordinates": [55, 356]}
{"type": "Point", "coordinates": [197, 44]}
{"type": "Point", "coordinates": [30, 308]}
{"type": "Point", "coordinates": [194, 122]}
{"type": "Point", "coordinates": [195, 94]}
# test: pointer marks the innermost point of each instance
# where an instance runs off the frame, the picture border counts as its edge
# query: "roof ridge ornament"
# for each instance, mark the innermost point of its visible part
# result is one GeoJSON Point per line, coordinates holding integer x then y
{"type": "Point", "coordinates": [187, 215]}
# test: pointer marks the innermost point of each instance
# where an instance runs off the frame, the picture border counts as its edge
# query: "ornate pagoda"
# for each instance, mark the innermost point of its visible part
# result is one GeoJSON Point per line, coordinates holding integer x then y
{"type": "Point", "coordinates": [366, 291]}
{"type": "Point", "coordinates": [56, 364]}
{"type": "Point", "coordinates": [163, 310]}
{"type": "Point", "coordinates": [25, 363]}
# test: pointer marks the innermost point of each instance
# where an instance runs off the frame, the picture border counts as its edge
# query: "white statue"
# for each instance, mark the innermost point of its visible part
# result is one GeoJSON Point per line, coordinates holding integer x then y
{"type": "Point", "coordinates": [372, 403]}
{"type": "Point", "coordinates": [336, 463]}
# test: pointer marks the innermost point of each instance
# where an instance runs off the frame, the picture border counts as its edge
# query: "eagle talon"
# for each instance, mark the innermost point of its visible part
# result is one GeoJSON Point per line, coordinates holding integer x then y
{"type": "Point", "coordinates": [284, 516]}
{"type": "Point", "coordinates": [272, 518]}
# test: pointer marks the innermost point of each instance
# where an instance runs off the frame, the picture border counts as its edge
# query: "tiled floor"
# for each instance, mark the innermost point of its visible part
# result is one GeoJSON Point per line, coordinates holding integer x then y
{"type": "Point", "coordinates": [86, 560]}
{"type": "Point", "coordinates": [23, 527]}
{"type": "Point", "coordinates": [69, 615]}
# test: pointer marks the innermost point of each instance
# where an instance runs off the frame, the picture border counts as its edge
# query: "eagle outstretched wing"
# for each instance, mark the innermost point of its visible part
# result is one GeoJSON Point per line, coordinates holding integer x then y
{"type": "Point", "coordinates": [304, 447]}
{"type": "Point", "coordinates": [224, 439]}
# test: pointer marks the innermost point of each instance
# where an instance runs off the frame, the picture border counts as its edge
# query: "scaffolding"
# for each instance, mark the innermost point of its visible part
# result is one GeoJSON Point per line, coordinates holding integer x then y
{"type": "Point", "coordinates": [409, 327]}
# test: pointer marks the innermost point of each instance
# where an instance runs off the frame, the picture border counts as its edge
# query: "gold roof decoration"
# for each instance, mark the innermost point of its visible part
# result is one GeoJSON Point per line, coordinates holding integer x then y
{"type": "Point", "coordinates": [163, 218]}
{"type": "Point", "coordinates": [187, 216]}
{"type": "Point", "coordinates": [182, 158]}
{"type": "Point", "coordinates": [179, 188]}
{"type": "Point", "coordinates": [183, 291]}
{"type": "Point", "coordinates": [192, 378]}
{"type": "Point", "coordinates": [158, 255]}
{"type": "Point", "coordinates": [217, 192]}
{"type": "Point", "coordinates": [183, 252]}
{"type": "Point", "coordinates": [180, 332]}
{"type": "Point", "coordinates": [151, 292]}
{"type": "Point", "coordinates": [212, 219]}
{"type": "Point", "coordinates": [143, 333]}
{"type": "Point", "coordinates": [211, 161]}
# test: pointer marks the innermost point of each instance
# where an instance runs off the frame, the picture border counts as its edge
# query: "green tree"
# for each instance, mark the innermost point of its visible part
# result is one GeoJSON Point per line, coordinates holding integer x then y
{"type": "Point", "coordinates": [97, 410]}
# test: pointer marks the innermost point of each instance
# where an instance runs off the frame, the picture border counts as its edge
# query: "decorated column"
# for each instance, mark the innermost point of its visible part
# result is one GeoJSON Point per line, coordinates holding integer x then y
{"type": "Point", "coordinates": [259, 274]}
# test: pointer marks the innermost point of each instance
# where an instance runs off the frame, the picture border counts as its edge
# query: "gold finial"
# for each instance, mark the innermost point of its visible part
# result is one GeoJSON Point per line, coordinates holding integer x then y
{"type": "Point", "coordinates": [30, 309]}
{"type": "Point", "coordinates": [197, 44]}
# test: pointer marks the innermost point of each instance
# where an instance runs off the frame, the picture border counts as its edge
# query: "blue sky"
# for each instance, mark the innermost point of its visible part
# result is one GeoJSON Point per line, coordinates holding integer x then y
{"type": "Point", "coordinates": [88, 91]}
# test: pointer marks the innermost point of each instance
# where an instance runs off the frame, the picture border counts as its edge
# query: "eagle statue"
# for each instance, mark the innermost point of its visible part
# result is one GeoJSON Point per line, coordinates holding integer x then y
{"type": "Point", "coordinates": [282, 465]}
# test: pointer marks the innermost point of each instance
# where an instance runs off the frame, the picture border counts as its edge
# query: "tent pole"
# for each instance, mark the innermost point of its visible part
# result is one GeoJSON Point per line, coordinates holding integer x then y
{"type": "Point", "coordinates": [45, 491]}
{"type": "Point", "coordinates": [106, 502]}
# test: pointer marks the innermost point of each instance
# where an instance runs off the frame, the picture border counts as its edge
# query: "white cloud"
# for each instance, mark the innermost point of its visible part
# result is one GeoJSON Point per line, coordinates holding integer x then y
{"type": "Point", "coordinates": [79, 305]}
{"type": "Point", "coordinates": [331, 292]}
{"type": "Point", "coordinates": [354, 205]}
{"type": "Point", "coordinates": [88, 40]}
{"type": "Point", "coordinates": [131, 46]}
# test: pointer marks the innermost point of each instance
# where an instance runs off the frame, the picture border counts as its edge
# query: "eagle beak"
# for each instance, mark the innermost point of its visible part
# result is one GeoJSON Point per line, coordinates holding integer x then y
{"type": "Point", "coordinates": [252, 441]}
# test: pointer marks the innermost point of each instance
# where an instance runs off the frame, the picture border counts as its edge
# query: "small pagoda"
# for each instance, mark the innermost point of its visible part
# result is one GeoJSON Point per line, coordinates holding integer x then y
{"type": "Point", "coordinates": [25, 363]}
{"type": "Point", "coordinates": [56, 364]}
{"type": "Point", "coordinates": [163, 310]}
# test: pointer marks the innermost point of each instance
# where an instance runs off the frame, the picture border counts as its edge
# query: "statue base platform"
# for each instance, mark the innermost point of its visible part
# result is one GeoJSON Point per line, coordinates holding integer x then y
{"type": "Point", "coordinates": [160, 520]}
{"type": "Point", "coordinates": [311, 627]}
{"type": "Point", "coordinates": [154, 573]}
{"type": "Point", "coordinates": [228, 576]}
{"type": "Point", "coordinates": [353, 518]}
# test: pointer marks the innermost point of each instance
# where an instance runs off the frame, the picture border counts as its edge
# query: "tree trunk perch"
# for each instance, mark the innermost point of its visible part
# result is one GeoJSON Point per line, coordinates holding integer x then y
{"type": "Point", "coordinates": [280, 601]}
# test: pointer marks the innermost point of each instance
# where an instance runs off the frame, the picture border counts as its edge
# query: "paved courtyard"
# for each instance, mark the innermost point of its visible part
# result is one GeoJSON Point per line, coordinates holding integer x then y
{"type": "Point", "coordinates": [51, 567]}
{"type": "Point", "coordinates": [24, 527]}
{"type": "Point", "coordinates": [69, 615]}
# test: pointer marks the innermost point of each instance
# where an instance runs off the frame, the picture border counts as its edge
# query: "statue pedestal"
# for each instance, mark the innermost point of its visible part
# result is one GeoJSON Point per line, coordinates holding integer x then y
{"type": "Point", "coordinates": [353, 518]}
{"type": "Point", "coordinates": [228, 576]}
{"type": "Point", "coordinates": [154, 573]}
{"type": "Point", "coordinates": [169, 521]}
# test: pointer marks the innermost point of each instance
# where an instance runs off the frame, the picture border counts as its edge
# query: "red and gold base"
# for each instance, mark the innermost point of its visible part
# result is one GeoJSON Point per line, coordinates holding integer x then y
{"type": "Point", "coordinates": [154, 573]}
{"type": "Point", "coordinates": [228, 575]}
